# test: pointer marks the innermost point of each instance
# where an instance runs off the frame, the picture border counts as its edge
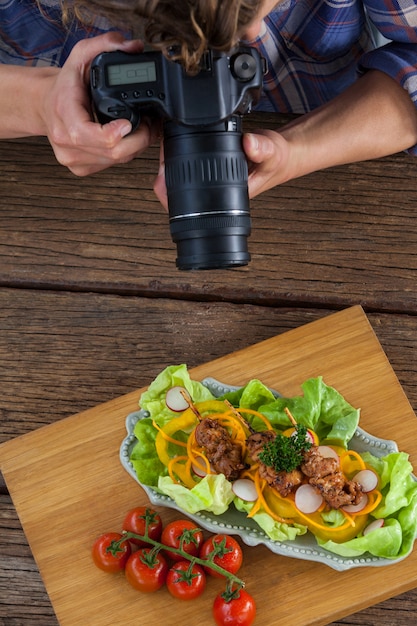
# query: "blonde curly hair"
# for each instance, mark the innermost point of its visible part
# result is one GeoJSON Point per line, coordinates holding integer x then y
{"type": "Point", "coordinates": [187, 26]}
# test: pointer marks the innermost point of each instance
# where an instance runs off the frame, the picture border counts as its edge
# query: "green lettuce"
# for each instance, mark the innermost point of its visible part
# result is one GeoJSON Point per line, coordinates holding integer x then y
{"type": "Point", "coordinates": [143, 457]}
{"type": "Point", "coordinates": [278, 531]}
{"type": "Point", "coordinates": [321, 408]}
{"type": "Point", "coordinates": [398, 508]}
{"type": "Point", "coordinates": [213, 493]}
{"type": "Point", "coordinates": [153, 399]}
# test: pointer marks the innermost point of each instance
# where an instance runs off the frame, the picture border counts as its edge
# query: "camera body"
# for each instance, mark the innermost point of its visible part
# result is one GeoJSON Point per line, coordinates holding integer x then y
{"type": "Point", "coordinates": [205, 167]}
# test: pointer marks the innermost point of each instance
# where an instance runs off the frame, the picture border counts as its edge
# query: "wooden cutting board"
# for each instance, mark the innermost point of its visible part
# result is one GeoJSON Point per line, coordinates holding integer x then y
{"type": "Point", "coordinates": [68, 487]}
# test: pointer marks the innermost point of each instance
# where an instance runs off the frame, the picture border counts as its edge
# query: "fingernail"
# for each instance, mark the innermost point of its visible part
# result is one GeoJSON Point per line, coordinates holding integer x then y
{"type": "Point", "coordinates": [125, 129]}
{"type": "Point", "coordinates": [254, 143]}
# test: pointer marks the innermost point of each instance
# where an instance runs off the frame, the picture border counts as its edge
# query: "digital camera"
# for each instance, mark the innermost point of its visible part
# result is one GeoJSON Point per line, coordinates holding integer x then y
{"type": "Point", "coordinates": [205, 167]}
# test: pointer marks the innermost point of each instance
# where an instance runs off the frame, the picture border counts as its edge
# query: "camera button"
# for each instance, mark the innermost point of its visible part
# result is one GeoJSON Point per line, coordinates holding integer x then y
{"type": "Point", "coordinates": [117, 110]}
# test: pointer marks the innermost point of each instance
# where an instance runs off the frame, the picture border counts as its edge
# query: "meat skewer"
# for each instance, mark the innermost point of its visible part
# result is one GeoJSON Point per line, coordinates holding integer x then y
{"type": "Point", "coordinates": [321, 472]}
{"type": "Point", "coordinates": [223, 454]}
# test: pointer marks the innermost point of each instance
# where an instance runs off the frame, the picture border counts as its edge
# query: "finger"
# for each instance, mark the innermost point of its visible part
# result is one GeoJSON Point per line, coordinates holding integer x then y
{"type": "Point", "coordinates": [104, 153]}
{"type": "Point", "coordinates": [159, 187]}
{"type": "Point", "coordinates": [257, 147]}
{"type": "Point", "coordinates": [87, 49]}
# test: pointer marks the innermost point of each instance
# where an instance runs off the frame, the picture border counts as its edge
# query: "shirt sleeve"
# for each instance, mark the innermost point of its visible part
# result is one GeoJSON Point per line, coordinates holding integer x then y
{"type": "Point", "coordinates": [396, 20]}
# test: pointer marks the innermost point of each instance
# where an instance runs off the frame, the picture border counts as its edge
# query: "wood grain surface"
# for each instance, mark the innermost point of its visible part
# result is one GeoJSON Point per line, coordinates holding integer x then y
{"type": "Point", "coordinates": [337, 237]}
{"type": "Point", "coordinates": [66, 476]}
{"type": "Point", "coordinates": [92, 307]}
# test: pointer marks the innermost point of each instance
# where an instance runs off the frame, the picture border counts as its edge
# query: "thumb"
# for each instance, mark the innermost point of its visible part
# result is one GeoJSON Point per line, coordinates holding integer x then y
{"type": "Point", "coordinates": [257, 148]}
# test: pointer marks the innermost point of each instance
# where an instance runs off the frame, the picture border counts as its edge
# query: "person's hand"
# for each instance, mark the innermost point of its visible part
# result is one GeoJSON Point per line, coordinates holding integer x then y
{"type": "Point", "coordinates": [269, 158]}
{"type": "Point", "coordinates": [268, 154]}
{"type": "Point", "coordinates": [79, 143]}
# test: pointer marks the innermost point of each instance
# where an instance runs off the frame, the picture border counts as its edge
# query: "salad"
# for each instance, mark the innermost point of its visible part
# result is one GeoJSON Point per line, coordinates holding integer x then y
{"type": "Point", "coordinates": [383, 519]}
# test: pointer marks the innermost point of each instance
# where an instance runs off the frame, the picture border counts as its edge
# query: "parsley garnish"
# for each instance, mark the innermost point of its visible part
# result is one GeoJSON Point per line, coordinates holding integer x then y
{"type": "Point", "coordinates": [286, 453]}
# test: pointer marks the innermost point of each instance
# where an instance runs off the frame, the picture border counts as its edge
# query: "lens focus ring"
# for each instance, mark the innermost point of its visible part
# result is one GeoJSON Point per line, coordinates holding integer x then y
{"type": "Point", "coordinates": [206, 170]}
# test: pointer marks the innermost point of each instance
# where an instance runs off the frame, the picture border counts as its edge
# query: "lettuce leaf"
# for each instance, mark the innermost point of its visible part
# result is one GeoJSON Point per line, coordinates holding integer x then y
{"type": "Point", "coordinates": [143, 457]}
{"type": "Point", "coordinates": [398, 508]}
{"type": "Point", "coordinates": [213, 493]}
{"type": "Point", "coordinates": [153, 399]}
{"type": "Point", "coordinates": [384, 542]}
{"type": "Point", "coordinates": [321, 408]}
{"type": "Point", "coordinates": [275, 530]}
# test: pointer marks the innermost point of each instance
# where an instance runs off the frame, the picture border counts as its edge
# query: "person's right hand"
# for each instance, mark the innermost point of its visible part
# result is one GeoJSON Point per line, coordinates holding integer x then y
{"type": "Point", "coordinates": [79, 143]}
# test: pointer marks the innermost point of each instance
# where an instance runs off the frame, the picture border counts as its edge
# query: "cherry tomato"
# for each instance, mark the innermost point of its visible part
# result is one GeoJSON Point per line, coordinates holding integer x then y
{"type": "Point", "coordinates": [239, 611]}
{"type": "Point", "coordinates": [108, 554]}
{"type": "Point", "coordinates": [182, 533]}
{"type": "Point", "coordinates": [227, 554]}
{"type": "Point", "coordinates": [146, 570]}
{"type": "Point", "coordinates": [186, 580]}
{"type": "Point", "coordinates": [135, 522]}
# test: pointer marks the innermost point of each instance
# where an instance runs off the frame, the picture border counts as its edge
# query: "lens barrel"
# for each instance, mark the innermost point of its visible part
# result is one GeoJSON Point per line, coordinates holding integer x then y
{"type": "Point", "coordinates": [207, 183]}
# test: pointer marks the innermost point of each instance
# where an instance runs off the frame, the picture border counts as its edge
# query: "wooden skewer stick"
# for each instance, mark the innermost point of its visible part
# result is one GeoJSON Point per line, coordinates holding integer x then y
{"type": "Point", "coordinates": [187, 398]}
{"type": "Point", "coordinates": [239, 416]}
{"type": "Point", "coordinates": [290, 416]}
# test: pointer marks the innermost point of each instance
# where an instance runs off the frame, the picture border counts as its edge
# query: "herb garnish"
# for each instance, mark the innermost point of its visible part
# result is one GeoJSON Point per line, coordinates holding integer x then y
{"type": "Point", "coordinates": [286, 453]}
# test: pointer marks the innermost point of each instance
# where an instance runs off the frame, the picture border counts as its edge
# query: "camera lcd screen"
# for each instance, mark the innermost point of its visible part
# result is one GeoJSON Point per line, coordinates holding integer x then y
{"type": "Point", "coordinates": [129, 73]}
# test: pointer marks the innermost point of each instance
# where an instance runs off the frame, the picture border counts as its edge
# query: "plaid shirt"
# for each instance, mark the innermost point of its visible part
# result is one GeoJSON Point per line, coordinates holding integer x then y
{"type": "Point", "coordinates": [29, 36]}
{"type": "Point", "coordinates": [314, 49]}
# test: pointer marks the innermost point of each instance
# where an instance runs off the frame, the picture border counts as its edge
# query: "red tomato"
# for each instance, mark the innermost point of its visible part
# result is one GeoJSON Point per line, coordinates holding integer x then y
{"type": "Point", "coordinates": [186, 580]}
{"type": "Point", "coordinates": [146, 570]}
{"type": "Point", "coordinates": [135, 522]}
{"type": "Point", "coordinates": [239, 611]}
{"type": "Point", "coordinates": [226, 552]}
{"type": "Point", "coordinates": [108, 554]}
{"type": "Point", "coordinates": [182, 533]}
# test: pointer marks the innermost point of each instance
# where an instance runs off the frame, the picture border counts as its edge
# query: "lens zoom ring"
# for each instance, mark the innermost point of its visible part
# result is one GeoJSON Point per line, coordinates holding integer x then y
{"type": "Point", "coordinates": [206, 170]}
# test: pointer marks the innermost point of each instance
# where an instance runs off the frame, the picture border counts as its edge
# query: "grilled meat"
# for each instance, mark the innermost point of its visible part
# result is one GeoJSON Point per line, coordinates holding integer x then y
{"type": "Point", "coordinates": [283, 482]}
{"type": "Point", "coordinates": [324, 474]}
{"type": "Point", "coordinates": [257, 441]}
{"type": "Point", "coordinates": [224, 455]}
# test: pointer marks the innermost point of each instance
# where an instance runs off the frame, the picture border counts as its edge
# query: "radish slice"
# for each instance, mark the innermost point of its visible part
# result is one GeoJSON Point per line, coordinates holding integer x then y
{"type": "Point", "coordinates": [199, 470]}
{"type": "Point", "coordinates": [356, 508]}
{"type": "Point", "coordinates": [328, 453]}
{"type": "Point", "coordinates": [245, 489]}
{"type": "Point", "coordinates": [307, 499]}
{"type": "Point", "coordinates": [377, 523]}
{"type": "Point", "coordinates": [175, 401]}
{"type": "Point", "coordinates": [367, 478]}
{"type": "Point", "coordinates": [309, 436]}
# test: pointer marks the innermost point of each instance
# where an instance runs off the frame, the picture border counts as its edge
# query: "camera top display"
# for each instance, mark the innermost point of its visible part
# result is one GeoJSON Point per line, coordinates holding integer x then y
{"type": "Point", "coordinates": [127, 85]}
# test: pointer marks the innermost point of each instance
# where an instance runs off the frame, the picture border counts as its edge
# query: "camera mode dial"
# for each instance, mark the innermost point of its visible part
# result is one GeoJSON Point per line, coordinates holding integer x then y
{"type": "Point", "coordinates": [243, 66]}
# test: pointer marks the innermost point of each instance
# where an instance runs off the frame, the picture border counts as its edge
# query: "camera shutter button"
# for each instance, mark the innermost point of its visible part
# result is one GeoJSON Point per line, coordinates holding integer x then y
{"type": "Point", "coordinates": [244, 66]}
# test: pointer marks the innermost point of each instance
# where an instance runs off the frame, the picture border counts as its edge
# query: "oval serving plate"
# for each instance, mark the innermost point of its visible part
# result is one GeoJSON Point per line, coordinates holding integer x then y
{"type": "Point", "coordinates": [233, 522]}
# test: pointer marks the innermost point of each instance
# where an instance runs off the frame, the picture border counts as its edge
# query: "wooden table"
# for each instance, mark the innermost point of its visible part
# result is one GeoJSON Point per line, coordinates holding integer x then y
{"type": "Point", "coordinates": [93, 307]}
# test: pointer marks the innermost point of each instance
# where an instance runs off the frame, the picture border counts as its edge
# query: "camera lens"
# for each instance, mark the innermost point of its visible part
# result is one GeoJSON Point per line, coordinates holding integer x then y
{"type": "Point", "coordinates": [207, 183]}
